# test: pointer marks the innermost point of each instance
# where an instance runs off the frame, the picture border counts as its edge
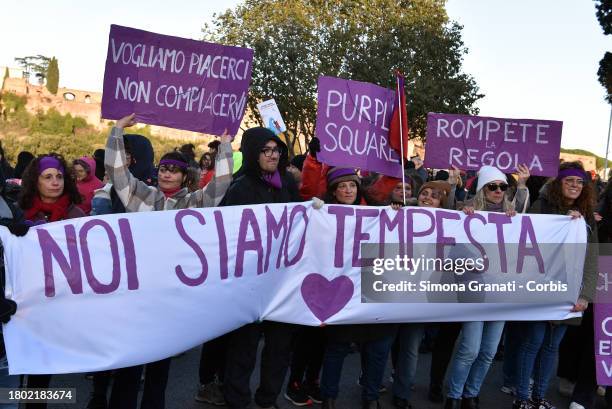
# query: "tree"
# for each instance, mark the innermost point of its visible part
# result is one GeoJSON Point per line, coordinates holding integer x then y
{"type": "Point", "coordinates": [6, 73]}
{"type": "Point", "coordinates": [367, 40]}
{"type": "Point", "coordinates": [34, 64]}
{"type": "Point", "coordinates": [604, 73]}
{"type": "Point", "coordinates": [53, 76]}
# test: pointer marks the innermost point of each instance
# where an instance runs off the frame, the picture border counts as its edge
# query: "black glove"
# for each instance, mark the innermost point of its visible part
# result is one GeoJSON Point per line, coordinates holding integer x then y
{"type": "Point", "coordinates": [314, 146]}
{"type": "Point", "coordinates": [19, 229]}
{"type": "Point", "coordinates": [7, 308]}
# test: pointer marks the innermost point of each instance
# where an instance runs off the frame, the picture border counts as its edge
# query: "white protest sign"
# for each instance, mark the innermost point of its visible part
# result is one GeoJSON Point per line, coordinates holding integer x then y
{"type": "Point", "coordinates": [271, 116]}
{"type": "Point", "coordinates": [93, 292]}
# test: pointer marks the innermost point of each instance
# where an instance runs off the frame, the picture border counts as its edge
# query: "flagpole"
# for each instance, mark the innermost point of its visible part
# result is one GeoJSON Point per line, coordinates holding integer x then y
{"type": "Point", "coordinates": [401, 126]}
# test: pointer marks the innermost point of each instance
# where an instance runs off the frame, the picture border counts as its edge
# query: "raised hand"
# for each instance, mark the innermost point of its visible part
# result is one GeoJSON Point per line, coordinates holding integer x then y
{"type": "Point", "coordinates": [225, 137]}
{"type": "Point", "coordinates": [126, 121]}
{"type": "Point", "coordinates": [453, 175]}
{"type": "Point", "coordinates": [523, 175]}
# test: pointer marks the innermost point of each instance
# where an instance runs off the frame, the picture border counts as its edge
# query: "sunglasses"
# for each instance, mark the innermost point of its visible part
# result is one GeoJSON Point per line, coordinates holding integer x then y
{"type": "Point", "coordinates": [494, 186]}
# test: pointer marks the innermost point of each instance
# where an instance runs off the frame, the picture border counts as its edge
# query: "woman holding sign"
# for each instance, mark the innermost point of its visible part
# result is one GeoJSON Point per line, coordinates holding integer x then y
{"type": "Point", "coordinates": [570, 193]}
{"type": "Point", "coordinates": [478, 340]}
{"type": "Point", "coordinates": [170, 194]}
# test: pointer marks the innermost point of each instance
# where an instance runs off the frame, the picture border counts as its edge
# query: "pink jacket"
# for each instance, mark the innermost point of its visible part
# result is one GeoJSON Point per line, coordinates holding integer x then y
{"type": "Point", "coordinates": [88, 185]}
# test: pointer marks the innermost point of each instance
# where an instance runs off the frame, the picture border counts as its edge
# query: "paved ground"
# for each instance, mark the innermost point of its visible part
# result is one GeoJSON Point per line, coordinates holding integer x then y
{"type": "Point", "coordinates": [182, 387]}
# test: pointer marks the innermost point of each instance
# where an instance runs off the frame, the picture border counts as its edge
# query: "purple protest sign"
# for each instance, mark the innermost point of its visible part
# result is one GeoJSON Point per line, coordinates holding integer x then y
{"type": "Point", "coordinates": [602, 321]}
{"type": "Point", "coordinates": [175, 82]}
{"type": "Point", "coordinates": [353, 125]}
{"type": "Point", "coordinates": [469, 142]}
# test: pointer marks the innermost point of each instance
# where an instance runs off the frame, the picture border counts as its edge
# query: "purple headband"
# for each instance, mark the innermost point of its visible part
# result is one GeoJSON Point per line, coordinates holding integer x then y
{"type": "Point", "coordinates": [571, 172]}
{"type": "Point", "coordinates": [339, 173]}
{"type": "Point", "coordinates": [174, 162]}
{"type": "Point", "coordinates": [49, 162]}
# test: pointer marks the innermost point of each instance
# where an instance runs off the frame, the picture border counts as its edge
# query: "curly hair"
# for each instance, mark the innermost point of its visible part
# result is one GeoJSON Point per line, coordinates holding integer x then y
{"type": "Point", "coordinates": [29, 182]}
{"type": "Point", "coordinates": [585, 203]}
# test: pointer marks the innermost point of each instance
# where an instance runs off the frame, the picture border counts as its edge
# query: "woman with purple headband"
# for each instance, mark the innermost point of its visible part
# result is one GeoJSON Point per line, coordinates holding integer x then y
{"type": "Point", "coordinates": [48, 194]}
{"type": "Point", "coordinates": [171, 193]}
{"type": "Point", "coordinates": [48, 191]}
{"type": "Point", "coordinates": [344, 187]}
{"type": "Point", "coordinates": [570, 193]}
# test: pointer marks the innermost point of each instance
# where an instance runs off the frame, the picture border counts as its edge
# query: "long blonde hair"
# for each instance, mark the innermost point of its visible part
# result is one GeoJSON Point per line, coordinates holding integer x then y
{"type": "Point", "coordinates": [480, 201]}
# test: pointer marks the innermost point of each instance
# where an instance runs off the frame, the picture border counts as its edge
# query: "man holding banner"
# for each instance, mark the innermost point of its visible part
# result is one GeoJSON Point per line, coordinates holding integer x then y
{"type": "Point", "coordinates": [265, 160]}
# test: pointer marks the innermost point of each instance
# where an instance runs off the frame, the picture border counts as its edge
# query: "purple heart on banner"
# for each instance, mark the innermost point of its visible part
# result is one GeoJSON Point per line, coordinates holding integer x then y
{"type": "Point", "coordinates": [326, 298]}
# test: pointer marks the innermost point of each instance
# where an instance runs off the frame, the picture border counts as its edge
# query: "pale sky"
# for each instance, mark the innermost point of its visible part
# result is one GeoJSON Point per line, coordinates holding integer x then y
{"type": "Point", "coordinates": [532, 59]}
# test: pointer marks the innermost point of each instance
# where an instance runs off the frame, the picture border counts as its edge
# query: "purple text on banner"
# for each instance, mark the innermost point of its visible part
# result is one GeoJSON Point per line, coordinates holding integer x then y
{"type": "Point", "coordinates": [175, 82]}
{"type": "Point", "coordinates": [602, 321]}
{"type": "Point", "coordinates": [469, 142]}
{"type": "Point", "coordinates": [353, 125]}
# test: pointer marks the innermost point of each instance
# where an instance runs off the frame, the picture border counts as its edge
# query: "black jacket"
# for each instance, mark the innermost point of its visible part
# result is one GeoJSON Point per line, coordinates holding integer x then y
{"type": "Point", "coordinates": [253, 190]}
{"type": "Point", "coordinates": [250, 188]}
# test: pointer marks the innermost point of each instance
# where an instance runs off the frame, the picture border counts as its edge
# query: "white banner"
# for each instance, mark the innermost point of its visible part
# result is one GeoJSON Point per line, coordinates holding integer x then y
{"type": "Point", "coordinates": [112, 291]}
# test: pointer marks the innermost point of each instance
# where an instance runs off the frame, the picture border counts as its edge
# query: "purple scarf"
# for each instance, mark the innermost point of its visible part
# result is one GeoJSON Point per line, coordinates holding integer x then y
{"type": "Point", "coordinates": [272, 179]}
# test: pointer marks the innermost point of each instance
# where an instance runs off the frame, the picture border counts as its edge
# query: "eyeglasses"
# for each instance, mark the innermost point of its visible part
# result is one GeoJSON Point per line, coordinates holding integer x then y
{"type": "Point", "coordinates": [169, 168]}
{"type": "Point", "coordinates": [268, 152]}
{"type": "Point", "coordinates": [494, 186]}
{"type": "Point", "coordinates": [573, 182]}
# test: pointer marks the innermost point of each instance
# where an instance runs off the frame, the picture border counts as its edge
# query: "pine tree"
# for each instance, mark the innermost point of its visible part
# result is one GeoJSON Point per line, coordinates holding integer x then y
{"type": "Point", "coordinates": [53, 76]}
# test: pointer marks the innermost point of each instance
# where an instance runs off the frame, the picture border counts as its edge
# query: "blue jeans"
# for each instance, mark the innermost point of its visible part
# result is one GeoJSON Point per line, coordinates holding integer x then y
{"type": "Point", "coordinates": [7, 381]}
{"type": "Point", "coordinates": [376, 356]}
{"type": "Point", "coordinates": [409, 338]}
{"type": "Point", "coordinates": [476, 348]}
{"type": "Point", "coordinates": [512, 343]}
{"type": "Point", "coordinates": [536, 356]}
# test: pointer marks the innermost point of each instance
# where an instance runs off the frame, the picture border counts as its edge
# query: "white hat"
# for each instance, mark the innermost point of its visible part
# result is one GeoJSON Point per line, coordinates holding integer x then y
{"type": "Point", "coordinates": [488, 174]}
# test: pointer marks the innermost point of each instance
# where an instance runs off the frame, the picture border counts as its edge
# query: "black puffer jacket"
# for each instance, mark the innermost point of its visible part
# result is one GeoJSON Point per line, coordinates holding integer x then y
{"type": "Point", "coordinates": [250, 188]}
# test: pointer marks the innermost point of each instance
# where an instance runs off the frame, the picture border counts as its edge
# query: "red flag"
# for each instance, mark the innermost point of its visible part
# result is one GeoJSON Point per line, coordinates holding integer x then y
{"type": "Point", "coordinates": [398, 134]}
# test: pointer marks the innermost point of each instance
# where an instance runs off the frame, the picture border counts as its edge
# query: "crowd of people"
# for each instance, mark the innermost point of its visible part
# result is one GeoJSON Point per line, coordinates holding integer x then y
{"type": "Point", "coordinates": [123, 178]}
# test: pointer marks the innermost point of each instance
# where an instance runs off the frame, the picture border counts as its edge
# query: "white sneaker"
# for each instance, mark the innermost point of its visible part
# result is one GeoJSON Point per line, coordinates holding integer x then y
{"type": "Point", "coordinates": [566, 388]}
{"type": "Point", "coordinates": [575, 405]}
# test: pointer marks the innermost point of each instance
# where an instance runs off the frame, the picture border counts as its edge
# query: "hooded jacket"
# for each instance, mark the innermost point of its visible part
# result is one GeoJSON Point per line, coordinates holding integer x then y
{"type": "Point", "coordinates": [250, 188]}
{"type": "Point", "coordinates": [88, 185]}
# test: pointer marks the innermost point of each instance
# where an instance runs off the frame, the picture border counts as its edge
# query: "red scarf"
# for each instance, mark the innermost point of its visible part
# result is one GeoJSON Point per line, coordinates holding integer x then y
{"type": "Point", "coordinates": [54, 211]}
{"type": "Point", "coordinates": [170, 193]}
